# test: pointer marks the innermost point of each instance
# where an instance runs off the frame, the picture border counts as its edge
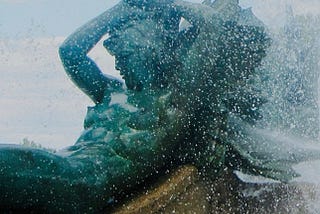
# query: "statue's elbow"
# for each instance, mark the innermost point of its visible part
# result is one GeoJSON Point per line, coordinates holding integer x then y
{"type": "Point", "coordinates": [70, 54]}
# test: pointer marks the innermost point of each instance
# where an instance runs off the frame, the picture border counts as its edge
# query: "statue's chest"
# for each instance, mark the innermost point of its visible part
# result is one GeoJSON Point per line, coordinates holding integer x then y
{"type": "Point", "coordinates": [138, 111]}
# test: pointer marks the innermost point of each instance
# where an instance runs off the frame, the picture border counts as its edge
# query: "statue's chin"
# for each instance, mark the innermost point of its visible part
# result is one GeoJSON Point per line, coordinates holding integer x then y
{"type": "Point", "coordinates": [133, 85]}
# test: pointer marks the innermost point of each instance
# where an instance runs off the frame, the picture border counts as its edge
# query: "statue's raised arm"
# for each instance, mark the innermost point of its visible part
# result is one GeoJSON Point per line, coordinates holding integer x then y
{"type": "Point", "coordinates": [202, 14]}
{"type": "Point", "coordinates": [192, 12]}
{"type": "Point", "coordinates": [73, 52]}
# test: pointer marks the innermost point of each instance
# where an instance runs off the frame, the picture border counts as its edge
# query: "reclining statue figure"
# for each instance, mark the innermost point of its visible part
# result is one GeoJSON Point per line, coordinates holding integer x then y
{"type": "Point", "coordinates": [187, 69]}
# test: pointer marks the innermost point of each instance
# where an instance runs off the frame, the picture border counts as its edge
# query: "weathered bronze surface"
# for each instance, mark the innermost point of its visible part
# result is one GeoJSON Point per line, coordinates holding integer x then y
{"type": "Point", "coordinates": [187, 91]}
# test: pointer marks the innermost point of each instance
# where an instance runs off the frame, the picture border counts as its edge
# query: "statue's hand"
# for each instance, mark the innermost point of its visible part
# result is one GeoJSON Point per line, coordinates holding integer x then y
{"type": "Point", "coordinates": [149, 4]}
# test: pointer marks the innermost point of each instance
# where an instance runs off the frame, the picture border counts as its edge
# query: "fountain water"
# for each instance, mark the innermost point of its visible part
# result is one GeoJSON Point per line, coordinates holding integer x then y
{"type": "Point", "coordinates": [289, 132]}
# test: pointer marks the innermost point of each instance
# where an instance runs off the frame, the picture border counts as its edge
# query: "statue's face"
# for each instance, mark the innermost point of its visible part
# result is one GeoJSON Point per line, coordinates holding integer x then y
{"type": "Point", "coordinates": [136, 51]}
{"type": "Point", "coordinates": [135, 66]}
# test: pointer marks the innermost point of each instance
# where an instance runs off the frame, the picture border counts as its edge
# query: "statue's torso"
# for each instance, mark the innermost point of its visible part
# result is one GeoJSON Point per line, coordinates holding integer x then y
{"type": "Point", "coordinates": [133, 130]}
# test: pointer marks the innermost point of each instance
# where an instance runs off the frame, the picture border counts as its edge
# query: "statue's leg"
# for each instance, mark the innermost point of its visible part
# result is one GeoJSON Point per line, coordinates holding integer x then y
{"type": "Point", "coordinates": [38, 180]}
{"type": "Point", "coordinates": [87, 177]}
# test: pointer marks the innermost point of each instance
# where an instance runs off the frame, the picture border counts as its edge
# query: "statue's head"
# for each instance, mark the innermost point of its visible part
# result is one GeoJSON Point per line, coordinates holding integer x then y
{"type": "Point", "coordinates": [138, 48]}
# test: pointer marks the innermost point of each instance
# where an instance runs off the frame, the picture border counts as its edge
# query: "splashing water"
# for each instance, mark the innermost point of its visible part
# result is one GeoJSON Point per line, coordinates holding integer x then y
{"type": "Point", "coordinates": [289, 79]}
{"type": "Point", "coordinates": [290, 129]}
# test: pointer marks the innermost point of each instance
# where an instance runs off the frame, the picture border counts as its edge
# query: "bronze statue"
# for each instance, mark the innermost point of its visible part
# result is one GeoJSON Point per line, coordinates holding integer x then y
{"type": "Point", "coordinates": [187, 69]}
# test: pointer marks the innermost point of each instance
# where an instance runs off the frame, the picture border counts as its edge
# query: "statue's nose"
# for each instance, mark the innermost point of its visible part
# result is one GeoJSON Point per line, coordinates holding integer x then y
{"type": "Point", "coordinates": [119, 65]}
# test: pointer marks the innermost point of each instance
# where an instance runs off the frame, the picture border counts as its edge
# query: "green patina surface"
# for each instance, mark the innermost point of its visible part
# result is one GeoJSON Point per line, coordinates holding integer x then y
{"type": "Point", "coordinates": [184, 88]}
